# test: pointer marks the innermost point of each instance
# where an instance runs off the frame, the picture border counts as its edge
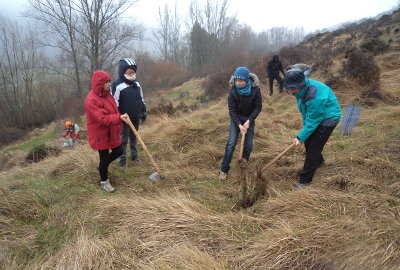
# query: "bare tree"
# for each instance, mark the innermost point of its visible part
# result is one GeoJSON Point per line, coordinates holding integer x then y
{"type": "Point", "coordinates": [175, 38]}
{"type": "Point", "coordinates": [162, 33]}
{"type": "Point", "coordinates": [59, 20]}
{"type": "Point", "coordinates": [21, 104]}
{"type": "Point", "coordinates": [213, 19]}
{"type": "Point", "coordinates": [15, 82]}
{"type": "Point", "coordinates": [278, 37]}
{"type": "Point", "coordinates": [168, 37]}
{"type": "Point", "coordinates": [88, 32]}
{"type": "Point", "coordinates": [101, 33]}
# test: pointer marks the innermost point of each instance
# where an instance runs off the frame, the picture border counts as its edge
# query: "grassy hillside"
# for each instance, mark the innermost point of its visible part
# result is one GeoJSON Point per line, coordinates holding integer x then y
{"type": "Point", "coordinates": [53, 214]}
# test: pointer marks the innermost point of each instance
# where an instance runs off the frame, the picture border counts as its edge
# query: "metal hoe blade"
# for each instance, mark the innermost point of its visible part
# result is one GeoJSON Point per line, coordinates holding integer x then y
{"type": "Point", "coordinates": [155, 176]}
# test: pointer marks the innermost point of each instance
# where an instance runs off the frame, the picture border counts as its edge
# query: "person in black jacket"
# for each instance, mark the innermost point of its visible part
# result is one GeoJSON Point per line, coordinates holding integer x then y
{"type": "Point", "coordinates": [128, 95]}
{"type": "Point", "coordinates": [244, 104]}
{"type": "Point", "coordinates": [273, 68]}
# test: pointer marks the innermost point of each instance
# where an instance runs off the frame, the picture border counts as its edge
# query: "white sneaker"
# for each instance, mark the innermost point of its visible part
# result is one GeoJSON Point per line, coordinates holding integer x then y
{"type": "Point", "coordinates": [107, 186]}
{"type": "Point", "coordinates": [222, 176]}
{"type": "Point", "coordinates": [300, 186]}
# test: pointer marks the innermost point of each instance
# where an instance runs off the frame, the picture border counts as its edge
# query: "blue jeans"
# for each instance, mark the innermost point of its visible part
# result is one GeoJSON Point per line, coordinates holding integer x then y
{"type": "Point", "coordinates": [232, 140]}
{"type": "Point", "coordinates": [126, 134]}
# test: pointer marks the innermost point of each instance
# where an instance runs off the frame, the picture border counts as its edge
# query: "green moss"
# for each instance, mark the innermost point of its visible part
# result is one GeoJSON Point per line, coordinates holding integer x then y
{"type": "Point", "coordinates": [28, 145]}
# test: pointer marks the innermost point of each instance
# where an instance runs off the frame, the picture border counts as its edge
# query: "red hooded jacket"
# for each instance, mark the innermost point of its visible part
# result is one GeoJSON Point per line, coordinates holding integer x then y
{"type": "Point", "coordinates": [103, 119]}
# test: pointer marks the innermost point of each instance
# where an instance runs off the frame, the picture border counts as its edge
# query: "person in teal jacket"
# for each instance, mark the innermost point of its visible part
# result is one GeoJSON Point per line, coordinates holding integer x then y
{"type": "Point", "coordinates": [321, 113]}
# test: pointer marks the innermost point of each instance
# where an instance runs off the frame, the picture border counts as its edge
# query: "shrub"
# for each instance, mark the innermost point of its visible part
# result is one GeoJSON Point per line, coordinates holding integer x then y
{"type": "Point", "coordinates": [163, 75]}
{"type": "Point", "coordinates": [373, 32]}
{"type": "Point", "coordinates": [375, 46]}
{"type": "Point", "coordinates": [332, 82]}
{"type": "Point", "coordinates": [361, 67]}
{"type": "Point", "coordinates": [391, 60]}
{"type": "Point", "coordinates": [72, 106]}
{"type": "Point", "coordinates": [40, 152]}
{"type": "Point", "coordinates": [170, 110]}
{"type": "Point", "coordinates": [293, 55]}
{"type": "Point", "coordinates": [182, 107]}
{"type": "Point", "coordinates": [163, 108]}
{"type": "Point", "coordinates": [9, 135]}
{"type": "Point", "coordinates": [217, 84]}
{"type": "Point", "coordinates": [203, 99]}
{"type": "Point", "coordinates": [324, 65]}
{"type": "Point", "coordinates": [373, 91]}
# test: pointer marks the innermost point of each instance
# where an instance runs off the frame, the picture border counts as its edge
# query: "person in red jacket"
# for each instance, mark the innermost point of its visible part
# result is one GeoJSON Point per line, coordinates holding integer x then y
{"type": "Point", "coordinates": [104, 124]}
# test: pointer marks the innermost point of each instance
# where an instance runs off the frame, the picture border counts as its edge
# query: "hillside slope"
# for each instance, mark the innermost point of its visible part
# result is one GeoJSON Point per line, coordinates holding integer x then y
{"type": "Point", "coordinates": [54, 216]}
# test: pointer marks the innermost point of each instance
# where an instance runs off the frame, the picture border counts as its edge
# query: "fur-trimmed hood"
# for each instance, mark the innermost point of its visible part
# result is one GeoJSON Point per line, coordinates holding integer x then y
{"type": "Point", "coordinates": [253, 77]}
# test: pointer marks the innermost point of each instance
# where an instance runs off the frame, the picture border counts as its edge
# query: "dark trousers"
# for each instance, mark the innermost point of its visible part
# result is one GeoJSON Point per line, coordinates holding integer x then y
{"type": "Point", "coordinates": [271, 84]}
{"type": "Point", "coordinates": [314, 146]}
{"type": "Point", "coordinates": [126, 134]}
{"type": "Point", "coordinates": [234, 131]}
{"type": "Point", "coordinates": [106, 158]}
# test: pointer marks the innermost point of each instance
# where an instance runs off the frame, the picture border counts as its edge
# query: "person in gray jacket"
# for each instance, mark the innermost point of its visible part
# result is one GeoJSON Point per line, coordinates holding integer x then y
{"type": "Point", "coordinates": [306, 69]}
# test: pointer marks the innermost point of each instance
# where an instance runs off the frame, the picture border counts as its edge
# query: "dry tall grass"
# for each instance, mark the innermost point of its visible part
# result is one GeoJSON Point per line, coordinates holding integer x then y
{"type": "Point", "coordinates": [54, 216]}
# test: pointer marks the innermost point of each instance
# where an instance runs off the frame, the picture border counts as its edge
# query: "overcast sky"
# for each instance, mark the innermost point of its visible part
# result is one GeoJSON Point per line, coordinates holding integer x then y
{"type": "Point", "coordinates": [259, 14]}
{"type": "Point", "coordinates": [265, 14]}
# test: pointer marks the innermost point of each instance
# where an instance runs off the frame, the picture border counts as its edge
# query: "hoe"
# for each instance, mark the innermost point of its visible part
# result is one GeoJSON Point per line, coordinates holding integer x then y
{"type": "Point", "coordinates": [156, 176]}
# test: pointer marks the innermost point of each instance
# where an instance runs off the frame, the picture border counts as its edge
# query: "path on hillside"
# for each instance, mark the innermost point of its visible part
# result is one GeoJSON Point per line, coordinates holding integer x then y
{"type": "Point", "coordinates": [390, 81]}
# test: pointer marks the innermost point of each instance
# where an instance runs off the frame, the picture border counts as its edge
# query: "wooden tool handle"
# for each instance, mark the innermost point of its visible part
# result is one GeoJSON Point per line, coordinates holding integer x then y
{"type": "Point", "coordinates": [241, 146]}
{"type": "Point", "coordinates": [277, 157]}
{"type": "Point", "coordinates": [128, 121]}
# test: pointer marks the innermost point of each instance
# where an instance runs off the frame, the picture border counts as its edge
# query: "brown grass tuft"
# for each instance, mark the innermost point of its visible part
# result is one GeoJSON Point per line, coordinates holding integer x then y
{"type": "Point", "coordinates": [79, 163]}
{"type": "Point", "coordinates": [173, 220]}
{"type": "Point", "coordinates": [11, 159]}
{"type": "Point", "coordinates": [331, 225]}
{"type": "Point", "coordinates": [94, 252]}
{"type": "Point", "coordinates": [186, 257]}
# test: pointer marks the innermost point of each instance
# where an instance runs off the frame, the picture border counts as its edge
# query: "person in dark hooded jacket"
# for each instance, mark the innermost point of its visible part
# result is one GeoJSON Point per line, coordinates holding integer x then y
{"type": "Point", "coordinates": [103, 123]}
{"type": "Point", "coordinates": [244, 104]}
{"type": "Point", "coordinates": [128, 95]}
{"type": "Point", "coordinates": [273, 68]}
